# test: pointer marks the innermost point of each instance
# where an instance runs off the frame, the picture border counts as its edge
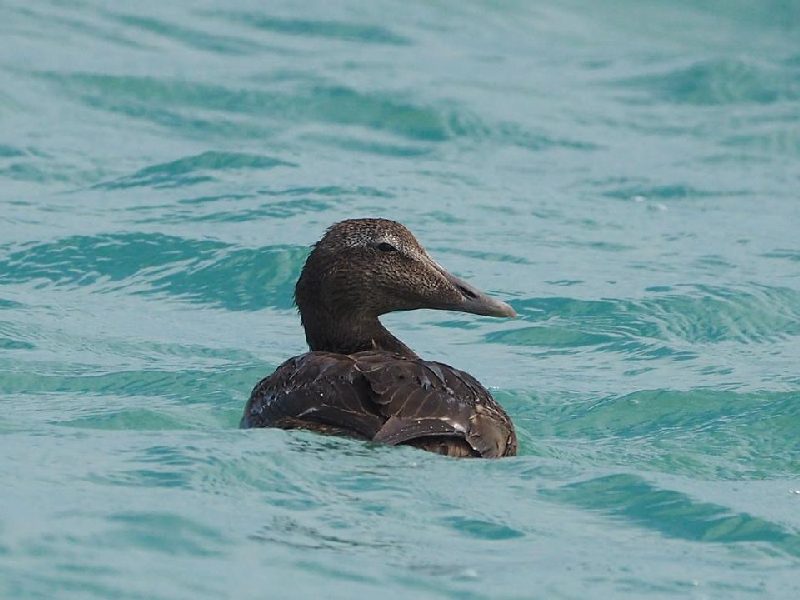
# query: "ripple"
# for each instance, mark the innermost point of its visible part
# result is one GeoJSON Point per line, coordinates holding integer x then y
{"type": "Point", "coordinates": [191, 37]}
{"type": "Point", "coordinates": [465, 124]}
{"type": "Point", "coordinates": [322, 102]}
{"type": "Point", "coordinates": [286, 531]}
{"type": "Point", "coordinates": [184, 171]}
{"type": "Point", "coordinates": [703, 315]}
{"type": "Point", "coordinates": [481, 529]}
{"type": "Point", "coordinates": [369, 146]}
{"type": "Point", "coordinates": [85, 25]}
{"type": "Point", "coordinates": [668, 192]}
{"type": "Point", "coordinates": [662, 412]}
{"type": "Point", "coordinates": [142, 400]}
{"type": "Point", "coordinates": [145, 531]}
{"type": "Point", "coordinates": [14, 344]}
{"type": "Point", "coordinates": [255, 279]}
{"type": "Point", "coordinates": [36, 173]}
{"type": "Point", "coordinates": [720, 82]}
{"type": "Point", "coordinates": [10, 152]}
{"type": "Point", "coordinates": [781, 141]}
{"type": "Point", "coordinates": [497, 257]}
{"type": "Point", "coordinates": [223, 385]}
{"type": "Point", "coordinates": [273, 203]}
{"type": "Point", "coordinates": [792, 255]}
{"type": "Point", "coordinates": [673, 514]}
{"type": "Point", "coordinates": [145, 97]}
{"type": "Point", "coordinates": [711, 433]}
{"type": "Point", "coordinates": [131, 419]}
{"type": "Point", "coordinates": [551, 337]}
{"type": "Point", "coordinates": [86, 260]}
{"type": "Point", "coordinates": [336, 30]}
{"type": "Point", "coordinates": [159, 264]}
{"type": "Point", "coordinates": [277, 210]}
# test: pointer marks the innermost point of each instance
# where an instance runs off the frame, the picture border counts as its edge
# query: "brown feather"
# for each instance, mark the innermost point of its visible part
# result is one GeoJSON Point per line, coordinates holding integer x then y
{"type": "Point", "coordinates": [386, 398]}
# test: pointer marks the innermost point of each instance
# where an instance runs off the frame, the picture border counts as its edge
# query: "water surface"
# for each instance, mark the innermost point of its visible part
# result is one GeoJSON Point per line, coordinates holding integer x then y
{"type": "Point", "coordinates": [625, 174]}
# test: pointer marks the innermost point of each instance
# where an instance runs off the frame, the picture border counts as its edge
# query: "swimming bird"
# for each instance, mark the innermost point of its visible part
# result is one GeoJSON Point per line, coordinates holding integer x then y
{"type": "Point", "coordinates": [359, 380]}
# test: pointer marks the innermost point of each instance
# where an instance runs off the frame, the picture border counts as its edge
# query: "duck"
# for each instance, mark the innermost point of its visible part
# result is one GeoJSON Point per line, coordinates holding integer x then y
{"type": "Point", "coordinates": [360, 381]}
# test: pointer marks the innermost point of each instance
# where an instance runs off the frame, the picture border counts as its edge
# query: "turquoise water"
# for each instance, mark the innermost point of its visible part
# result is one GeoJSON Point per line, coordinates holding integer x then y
{"type": "Point", "coordinates": [625, 173]}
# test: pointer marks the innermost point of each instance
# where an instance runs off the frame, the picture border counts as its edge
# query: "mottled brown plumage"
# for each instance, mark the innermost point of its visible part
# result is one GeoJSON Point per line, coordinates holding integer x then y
{"type": "Point", "coordinates": [361, 381]}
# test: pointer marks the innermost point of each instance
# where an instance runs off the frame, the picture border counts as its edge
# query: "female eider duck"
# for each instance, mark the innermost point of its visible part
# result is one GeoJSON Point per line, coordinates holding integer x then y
{"type": "Point", "coordinates": [359, 380]}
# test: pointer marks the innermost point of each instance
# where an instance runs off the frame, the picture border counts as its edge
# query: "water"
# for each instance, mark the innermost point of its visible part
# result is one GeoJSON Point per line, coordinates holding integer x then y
{"type": "Point", "coordinates": [625, 173]}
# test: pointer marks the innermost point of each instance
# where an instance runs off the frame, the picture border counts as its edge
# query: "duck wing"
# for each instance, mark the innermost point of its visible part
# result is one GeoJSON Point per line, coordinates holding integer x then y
{"type": "Point", "coordinates": [423, 399]}
{"type": "Point", "coordinates": [322, 391]}
{"type": "Point", "coordinates": [384, 397]}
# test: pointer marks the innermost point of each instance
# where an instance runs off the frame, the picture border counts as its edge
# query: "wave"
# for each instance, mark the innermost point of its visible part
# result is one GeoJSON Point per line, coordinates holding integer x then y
{"type": "Point", "coordinates": [702, 314]}
{"type": "Point", "coordinates": [190, 170]}
{"type": "Point", "coordinates": [632, 499]}
{"type": "Point", "coordinates": [719, 82]}
{"type": "Point", "coordinates": [148, 264]}
{"type": "Point", "coordinates": [192, 107]}
{"type": "Point", "coordinates": [147, 97]}
{"type": "Point", "coordinates": [332, 30]}
{"type": "Point", "coordinates": [709, 433]}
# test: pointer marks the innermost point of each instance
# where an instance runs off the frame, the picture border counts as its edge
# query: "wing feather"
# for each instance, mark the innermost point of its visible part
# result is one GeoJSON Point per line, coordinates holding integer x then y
{"type": "Point", "coordinates": [318, 388]}
{"type": "Point", "coordinates": [383, 397]}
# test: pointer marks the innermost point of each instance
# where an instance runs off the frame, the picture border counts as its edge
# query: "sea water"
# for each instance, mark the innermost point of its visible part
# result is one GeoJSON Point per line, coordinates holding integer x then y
{"type": "Point", "coordinates": [626, 174]}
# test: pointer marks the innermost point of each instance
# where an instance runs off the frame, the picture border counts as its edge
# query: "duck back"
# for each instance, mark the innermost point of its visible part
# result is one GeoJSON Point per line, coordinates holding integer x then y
{"type": "Point", "coordinates": [384, 397]}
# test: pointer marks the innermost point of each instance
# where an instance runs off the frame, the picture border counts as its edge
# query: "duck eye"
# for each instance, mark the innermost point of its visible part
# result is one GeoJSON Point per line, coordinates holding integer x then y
{"type": "Point", "coordinates": [386, 247]}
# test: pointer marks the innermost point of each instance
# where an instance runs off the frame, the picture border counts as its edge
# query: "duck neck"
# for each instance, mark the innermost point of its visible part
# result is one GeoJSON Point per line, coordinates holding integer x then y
{"type": "Point", "coordinates": [346, 335]}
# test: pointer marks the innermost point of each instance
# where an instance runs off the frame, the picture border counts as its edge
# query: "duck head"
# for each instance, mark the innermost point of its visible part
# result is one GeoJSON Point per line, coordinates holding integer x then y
{"type": "Point", "coordinates": [364, 268]}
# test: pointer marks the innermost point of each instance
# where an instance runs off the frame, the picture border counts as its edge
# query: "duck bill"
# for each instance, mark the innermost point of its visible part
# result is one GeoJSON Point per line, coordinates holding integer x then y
{"type": "Point", "coordinates": [476, 302]}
